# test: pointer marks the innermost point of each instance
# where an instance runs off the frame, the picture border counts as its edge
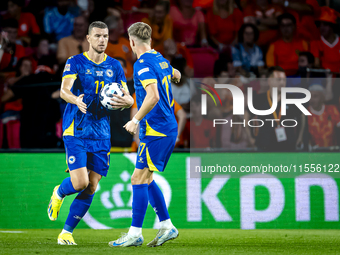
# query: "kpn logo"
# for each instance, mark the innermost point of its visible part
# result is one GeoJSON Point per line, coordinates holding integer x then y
{"type": "Point", "coordinates": [112, 206]}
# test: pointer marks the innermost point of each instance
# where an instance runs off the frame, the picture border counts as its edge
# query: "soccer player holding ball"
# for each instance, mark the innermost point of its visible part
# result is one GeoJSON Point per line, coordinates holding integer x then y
{"type": "Point", "coordinates": [86, 126]}
{"type": "Point", "coordinates": [158, 132]}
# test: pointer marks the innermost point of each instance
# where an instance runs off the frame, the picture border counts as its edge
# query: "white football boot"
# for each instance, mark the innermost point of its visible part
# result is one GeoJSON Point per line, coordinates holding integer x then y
{"type": "Point", "coordinates": [127, 240]}
{"type": "Point", "coordinates": [164, 235]}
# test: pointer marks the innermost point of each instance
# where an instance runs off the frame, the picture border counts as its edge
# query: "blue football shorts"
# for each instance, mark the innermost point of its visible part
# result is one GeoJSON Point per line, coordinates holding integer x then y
{"type": "Point", "coordinates": [92, 154]}
{"type": "Point", "coordinates": [154, 152]}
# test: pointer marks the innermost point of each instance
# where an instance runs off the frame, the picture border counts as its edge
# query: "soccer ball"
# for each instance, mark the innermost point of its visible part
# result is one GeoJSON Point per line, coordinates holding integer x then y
{"type": "Point", "coordinates": [107, 93]}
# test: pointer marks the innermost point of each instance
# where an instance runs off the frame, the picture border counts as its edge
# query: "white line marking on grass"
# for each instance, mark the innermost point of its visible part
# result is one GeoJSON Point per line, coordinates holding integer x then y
{"type": "Point", "coordinates": [13, 232]}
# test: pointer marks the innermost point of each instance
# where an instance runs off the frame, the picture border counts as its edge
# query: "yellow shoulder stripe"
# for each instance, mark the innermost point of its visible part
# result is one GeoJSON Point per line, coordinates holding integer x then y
{"type": "Point", "coordinates": [147, 82]}
{"type": "Point", "coordinates": [72, 76]}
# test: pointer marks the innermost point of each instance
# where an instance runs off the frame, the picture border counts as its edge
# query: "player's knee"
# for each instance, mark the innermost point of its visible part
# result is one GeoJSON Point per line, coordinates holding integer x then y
{"type": "Point", "coordinates": [81, 184]}
{"type": "Point", "coordinates": [135, 180]}
{"type": "Point", "coordinates": [91, 189]}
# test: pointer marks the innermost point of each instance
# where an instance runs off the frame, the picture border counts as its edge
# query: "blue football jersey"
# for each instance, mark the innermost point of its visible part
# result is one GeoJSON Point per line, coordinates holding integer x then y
{"type": "Point", "coordinates": [90, 77]}
{"type": "Point", "coordinates": [152, 67]}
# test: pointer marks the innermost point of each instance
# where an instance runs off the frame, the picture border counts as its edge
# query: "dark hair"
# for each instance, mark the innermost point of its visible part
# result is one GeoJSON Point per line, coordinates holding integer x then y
{"type": "Point", "coordinates": [97, 24]}
{"type": "Point", "coordinates": [273, 69]}
{"type": "Point", "coordinates": [308, 55]}
{"type": "Point", "coordinates": [286, 16]}
{"type": "Point", "coordinates": [12, 23]}
{"type": "Point", "coordinates": [165, 4]}
{"type": "Point", "coordinates": [243, 28]}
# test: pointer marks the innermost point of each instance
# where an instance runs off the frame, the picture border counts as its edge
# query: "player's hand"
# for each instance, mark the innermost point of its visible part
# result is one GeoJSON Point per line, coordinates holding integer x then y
{"type": "Point", "coordinates": [125, 101]}
{"type": "Point", "coordinates": [177, 76]}
{"type": "Point", "coordinates": [131, 127]}
{"type": "Point", "coordinates": [175, 80]}
{"type": "Point", "coordinates": [81, 105]}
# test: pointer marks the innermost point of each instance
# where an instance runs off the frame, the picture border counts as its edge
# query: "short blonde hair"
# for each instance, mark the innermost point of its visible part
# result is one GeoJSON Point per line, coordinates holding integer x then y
{"type": "Point", "coordinates": [141, 31]}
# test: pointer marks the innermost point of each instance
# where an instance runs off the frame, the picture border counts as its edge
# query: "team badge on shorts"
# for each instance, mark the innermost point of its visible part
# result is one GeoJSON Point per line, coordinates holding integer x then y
{"type": "Point", "coordinates": [109, 72]}
{"type": "Point", "coordinates": [71, 159]}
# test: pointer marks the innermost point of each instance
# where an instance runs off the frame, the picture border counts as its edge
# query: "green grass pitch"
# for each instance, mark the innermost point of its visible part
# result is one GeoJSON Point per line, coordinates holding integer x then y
{"type": "Point", "coordinates": [194, 241]}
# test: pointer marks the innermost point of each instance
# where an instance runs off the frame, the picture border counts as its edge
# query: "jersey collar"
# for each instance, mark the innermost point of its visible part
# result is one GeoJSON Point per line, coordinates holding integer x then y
{"type": "Point", "coordinates": [87, 56]}
{"type": "Point", "coordinates": [149, 51]}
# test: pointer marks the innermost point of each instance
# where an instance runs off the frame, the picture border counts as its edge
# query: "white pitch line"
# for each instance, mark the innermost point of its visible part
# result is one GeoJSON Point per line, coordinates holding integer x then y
{"type": "Point", "coordinates": [13, 232]}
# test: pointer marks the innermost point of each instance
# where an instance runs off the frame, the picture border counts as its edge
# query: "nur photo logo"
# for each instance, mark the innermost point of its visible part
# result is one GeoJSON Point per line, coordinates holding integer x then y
{"type": "Point", "coordinates": [239, 104]}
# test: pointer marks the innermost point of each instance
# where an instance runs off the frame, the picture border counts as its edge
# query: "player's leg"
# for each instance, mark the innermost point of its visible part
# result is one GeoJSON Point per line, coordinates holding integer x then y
{"type": "Point", "coordinates": [139, 181]}
{"type": "Point", "coordinates": [159, 154]}
{"type": "Point", "coordinates": [157, 202]}
{"type": "Point", "coordinates": [140, 199]}
{"type": "Point", "coordinates": [98, 160]}
{"type": "Point", "coordinates": [82, 202]}
{"type": "Point", "coordinates": [151, 156]}
{"type": "Point", "coordinates": [167, 230]}
{"type": "Point", "coordinates": [77, 181]}
{"type": "Point", "coordinates": [76, 159]}
{"type": "Point", "coordinates": [78, 209]}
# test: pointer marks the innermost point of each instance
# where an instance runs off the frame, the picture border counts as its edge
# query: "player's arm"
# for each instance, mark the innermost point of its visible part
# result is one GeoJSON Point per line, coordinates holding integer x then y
{"type": "Point", "coordinates": [69, 97]}
{"type": "Point", "coordinates": [150, 100]}
{"type": "Point", "coordinates": [133, 112]}
{"type": "Point", "coordinates": [176, 76]}
{"type": "Point", "coordinates": [125, 101]}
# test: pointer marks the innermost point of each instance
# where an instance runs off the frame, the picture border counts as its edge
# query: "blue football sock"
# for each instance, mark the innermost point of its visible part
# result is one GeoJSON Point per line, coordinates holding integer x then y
{"type": "Point", "coordinates": [157, 201]}
{"type": "Point", "coordinates": [140, 202]}
{"type": "Point", "coordinates": [66, 188]}
{"type": "Point", "coordinates": [79, 207]}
